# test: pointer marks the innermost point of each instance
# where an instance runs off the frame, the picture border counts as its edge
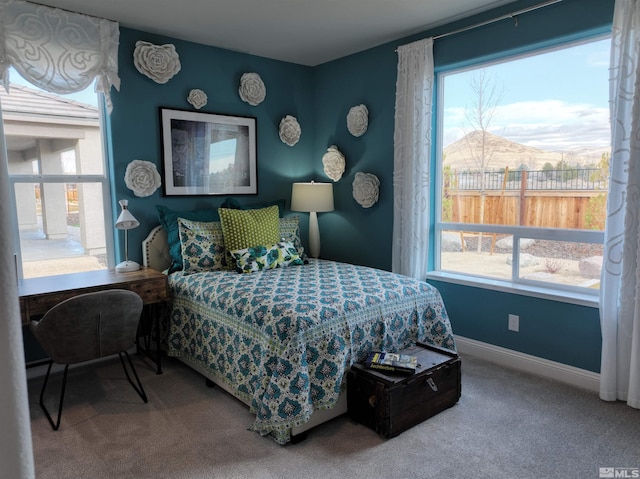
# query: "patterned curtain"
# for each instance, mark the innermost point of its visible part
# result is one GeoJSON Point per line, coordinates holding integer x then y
{"type": "Point", "coordinates": [620, 288]}
{"type": "Point", "coordinates": [412, 155]}
{"type": "Point", "coordinates": [58, 51]}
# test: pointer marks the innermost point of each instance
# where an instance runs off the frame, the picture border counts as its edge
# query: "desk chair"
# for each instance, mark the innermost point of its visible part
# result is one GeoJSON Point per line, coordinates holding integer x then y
{"type": "Point", "coordinates": [89, 326]}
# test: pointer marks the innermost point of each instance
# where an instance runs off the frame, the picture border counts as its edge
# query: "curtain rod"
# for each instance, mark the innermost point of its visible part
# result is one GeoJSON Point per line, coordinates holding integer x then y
{"type": "Point", "coordinates": [497, 19]}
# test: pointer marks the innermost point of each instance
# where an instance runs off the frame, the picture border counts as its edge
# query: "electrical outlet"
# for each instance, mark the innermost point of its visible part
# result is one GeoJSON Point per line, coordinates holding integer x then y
{"type": "Point", "coordinates": [514, 322]}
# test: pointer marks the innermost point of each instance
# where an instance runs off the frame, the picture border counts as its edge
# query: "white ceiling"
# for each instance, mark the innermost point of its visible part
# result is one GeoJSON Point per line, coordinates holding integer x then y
{"type": "Point", "coordinates": [306, 32]}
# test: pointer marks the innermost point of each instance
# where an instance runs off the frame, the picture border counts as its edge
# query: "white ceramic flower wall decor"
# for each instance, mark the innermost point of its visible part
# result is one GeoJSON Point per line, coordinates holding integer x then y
{"type": "Point", "coordinates": [358, 120]}
{"type": "Point", "coordinates": [289, 130]}
{"type": "Point", "coordinates": [334, 163]}
{"type": "Point", "coordinates": [252, 89]}
{"type": "Point", "coordinates": [197, 98]}
{"type": "Point", "coordinates": [366, 189]}
{"type": "Point", "coordinates": [159, 62]}
{"type": "Point", "coordinates": [142, 178]}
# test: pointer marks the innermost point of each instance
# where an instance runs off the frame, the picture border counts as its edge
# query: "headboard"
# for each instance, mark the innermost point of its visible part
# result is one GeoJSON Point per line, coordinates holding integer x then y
{"type": "Point", "coordinates": [155, 249]}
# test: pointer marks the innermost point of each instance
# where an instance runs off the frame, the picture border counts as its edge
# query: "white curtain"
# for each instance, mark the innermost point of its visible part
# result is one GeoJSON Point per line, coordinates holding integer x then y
{"type": "Point", "coordinates": [620, 288]}
{"type": "Point", "coordinates": [412, 156]}
{"type": "Point", "coordinates": [59, 51]}
{"type": "Point", "coordinates": [16, 454]}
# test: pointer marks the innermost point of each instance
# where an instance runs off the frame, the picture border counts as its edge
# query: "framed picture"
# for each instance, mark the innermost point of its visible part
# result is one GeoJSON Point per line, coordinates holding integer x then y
{"type": "Point", "coordinates": [208, 154]}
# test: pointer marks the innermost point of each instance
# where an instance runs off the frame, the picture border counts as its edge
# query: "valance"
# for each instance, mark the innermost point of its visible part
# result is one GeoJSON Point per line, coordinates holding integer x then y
{"type": "Point", "coordinates": [56, 50]}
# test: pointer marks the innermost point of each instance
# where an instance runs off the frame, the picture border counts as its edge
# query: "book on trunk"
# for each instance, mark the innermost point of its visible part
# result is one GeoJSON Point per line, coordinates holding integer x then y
{"type": "Point", "coordinates": [392, 362]}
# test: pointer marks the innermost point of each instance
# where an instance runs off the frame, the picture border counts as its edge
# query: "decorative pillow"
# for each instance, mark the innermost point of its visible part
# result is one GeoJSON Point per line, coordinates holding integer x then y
{"type": "Point", "coordinates": [202, 246]}
{"type": "Point", "coordinates": [248, 228]}
{"type": "Point", "coordinates": [290, 231]}
{"type": "Point", "coordinates": [169, 220]}
{"type": "Point", "coordinates": [258, 258]}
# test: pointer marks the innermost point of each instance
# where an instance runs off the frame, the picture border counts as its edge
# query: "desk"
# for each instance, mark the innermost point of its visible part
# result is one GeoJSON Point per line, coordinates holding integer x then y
{"type": "Point", "coordinates": [38, 295]}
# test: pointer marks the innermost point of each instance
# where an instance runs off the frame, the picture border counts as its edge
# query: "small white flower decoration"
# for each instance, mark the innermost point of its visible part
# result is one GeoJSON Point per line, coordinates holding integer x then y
{"type": "Point", "coordinates": [358, 120]}
{"type": "Point", "coordinates": [290, 130]}
{"type": "Point", "coordinates": [197, 98]}
{"type": "Point", "coordinates": [366, 189]}
{"type": "Point", "coordinates": [142, 178]}
{"type": "Point", "coordinates": [158, 62]}
{"type": "Point", "coordinates": [334, 163]}
{"type": "Point", "coordinates": [252, 89]}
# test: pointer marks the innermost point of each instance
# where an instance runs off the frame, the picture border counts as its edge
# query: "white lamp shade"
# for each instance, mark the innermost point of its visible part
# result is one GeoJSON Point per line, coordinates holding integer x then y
{"type": "Point", "coordinates": [126, 221]}
{"type": "Point", "coordinates": [308, 197]}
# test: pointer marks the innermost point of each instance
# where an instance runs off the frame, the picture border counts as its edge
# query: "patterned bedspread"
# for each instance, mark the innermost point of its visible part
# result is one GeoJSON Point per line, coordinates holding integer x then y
{"type": "Point", "coordinates": [284, 338]}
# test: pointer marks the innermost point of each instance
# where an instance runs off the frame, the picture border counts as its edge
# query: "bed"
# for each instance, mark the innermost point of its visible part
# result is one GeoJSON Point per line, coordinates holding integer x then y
{"type": "Point", "coordinates": [281, 340]}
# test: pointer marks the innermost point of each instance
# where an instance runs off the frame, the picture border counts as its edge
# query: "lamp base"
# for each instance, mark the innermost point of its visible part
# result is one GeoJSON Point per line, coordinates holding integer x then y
{"type": "Point", "coordinates": [127, 266]}
{"type": "Point", "coordinates": [314, 235]}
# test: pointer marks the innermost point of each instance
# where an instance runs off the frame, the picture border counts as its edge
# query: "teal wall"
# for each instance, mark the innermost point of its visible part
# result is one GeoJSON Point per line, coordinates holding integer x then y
{"type": "Point", "coordinates": [134, 124]}
{"type": "Point", "coordinates": [352, 233]}
{"type": "Point", "coordinates": [320, 98]}
{"type": "Point", "coordinates": [553, 330]}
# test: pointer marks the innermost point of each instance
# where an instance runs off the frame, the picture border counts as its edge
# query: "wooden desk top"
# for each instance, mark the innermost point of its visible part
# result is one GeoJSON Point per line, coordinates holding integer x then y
{"type": "Point", "coordinates": [83, 280]}
{"type": "Point", "coordinates": [38, 295]}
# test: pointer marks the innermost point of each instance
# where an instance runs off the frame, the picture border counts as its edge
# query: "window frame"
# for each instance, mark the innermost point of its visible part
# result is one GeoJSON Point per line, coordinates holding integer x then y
{"type": "Point", "coordinates": [104, 180]}
{"type": "Point", "coordinates": [528, 287]}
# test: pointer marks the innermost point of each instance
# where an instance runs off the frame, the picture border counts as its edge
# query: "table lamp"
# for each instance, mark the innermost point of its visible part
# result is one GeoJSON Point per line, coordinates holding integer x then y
{"type": "Point", "coordinates": [126, 221]}
{"type": "Point", "coordinates": [312, 198]}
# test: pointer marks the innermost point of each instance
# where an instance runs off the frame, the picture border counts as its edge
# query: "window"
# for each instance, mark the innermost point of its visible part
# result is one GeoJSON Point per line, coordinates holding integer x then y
{"type": "Point", "coordinates": [58, 178]}
{"type": "Point", "coordinates": [523, 155]}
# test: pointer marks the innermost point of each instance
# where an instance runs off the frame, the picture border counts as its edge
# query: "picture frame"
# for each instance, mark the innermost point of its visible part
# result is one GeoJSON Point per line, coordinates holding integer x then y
{"type": "Point", "coordinates": [208, 154]}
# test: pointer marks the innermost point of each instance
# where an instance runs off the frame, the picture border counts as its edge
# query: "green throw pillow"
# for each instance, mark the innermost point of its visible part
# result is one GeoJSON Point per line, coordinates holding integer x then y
{"type": "Point", "coordinates": [248, 228]}
{"type": "Point", "coordinates": [202, 246]}
{"type": "Point", "coordinates": [259, 258]}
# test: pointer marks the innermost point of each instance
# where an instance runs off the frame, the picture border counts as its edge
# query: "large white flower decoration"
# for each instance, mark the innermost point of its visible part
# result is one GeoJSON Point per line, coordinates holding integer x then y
{"type": "Point", "coordinates": [252, 89]}
{"type": "Point", "coordinates": [358, 120]}
{"type": "Point", "coordinates": [290, 130]}
{"type": "Point", "coordinates": [366, 189]}
{"type": "Point", "coordinates": [197, 98]}
{"type": "Point", "coordinates": [334, 163]}
{"type": "Point", "coordinates": [158, 62]}
{"type": "Point", "coordinates": [142, 178]}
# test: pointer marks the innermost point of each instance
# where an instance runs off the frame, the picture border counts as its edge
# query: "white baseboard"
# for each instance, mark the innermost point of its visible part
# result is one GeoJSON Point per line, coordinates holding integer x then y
{"type": "Point", "coordinates": [530, 364]}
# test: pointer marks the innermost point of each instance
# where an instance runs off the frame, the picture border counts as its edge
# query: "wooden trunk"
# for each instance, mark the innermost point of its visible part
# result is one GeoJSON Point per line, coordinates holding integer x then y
{"type": "Point", "coordinates": [392, 403]}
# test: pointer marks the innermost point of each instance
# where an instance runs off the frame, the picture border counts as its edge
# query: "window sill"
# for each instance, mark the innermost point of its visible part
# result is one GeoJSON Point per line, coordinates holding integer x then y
{"type": "Point", "coordinates": [581, 299]}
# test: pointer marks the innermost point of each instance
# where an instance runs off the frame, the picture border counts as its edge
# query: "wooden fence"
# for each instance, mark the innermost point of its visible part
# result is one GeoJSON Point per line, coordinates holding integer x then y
{"type": "Point", "coordinates": [544, 208]}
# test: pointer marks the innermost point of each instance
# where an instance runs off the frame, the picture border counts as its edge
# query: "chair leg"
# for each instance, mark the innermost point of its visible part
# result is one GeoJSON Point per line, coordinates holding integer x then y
{"type": "Point", "coordinates": [137, 388]}
{"type": "Point", "coordinates": [55, 425]}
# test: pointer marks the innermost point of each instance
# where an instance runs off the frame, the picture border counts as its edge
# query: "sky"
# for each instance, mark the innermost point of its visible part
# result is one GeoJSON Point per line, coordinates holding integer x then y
{"type": "Point", "coordinates": [221, 155]}
{"type": "Point", "coordinates": [88, 95]}
{"type": "Point", "coordinates": [556, 101]}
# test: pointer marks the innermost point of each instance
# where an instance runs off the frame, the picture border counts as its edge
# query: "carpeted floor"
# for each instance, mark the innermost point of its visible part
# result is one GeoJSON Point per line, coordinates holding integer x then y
{"type": "Point", "coordinates": [506, 425]}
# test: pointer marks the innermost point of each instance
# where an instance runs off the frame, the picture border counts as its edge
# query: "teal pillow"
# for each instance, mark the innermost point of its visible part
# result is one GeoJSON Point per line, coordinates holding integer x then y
{"type": "Point", "coordinates": [232, 203]}
{"type": "Point", "coordinates": [169, 220]}
{"type": "Point", "coordinates": [260, 258]}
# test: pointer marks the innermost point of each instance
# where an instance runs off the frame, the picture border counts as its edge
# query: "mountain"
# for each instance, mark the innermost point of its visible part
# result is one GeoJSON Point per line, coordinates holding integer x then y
{"type": "Point", "coordinates": [503, 152]}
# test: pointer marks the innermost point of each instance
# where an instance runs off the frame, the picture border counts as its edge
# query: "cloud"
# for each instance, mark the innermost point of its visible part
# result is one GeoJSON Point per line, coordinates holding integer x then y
{"type": "Point", "coordinates": [548, 124]}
